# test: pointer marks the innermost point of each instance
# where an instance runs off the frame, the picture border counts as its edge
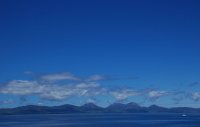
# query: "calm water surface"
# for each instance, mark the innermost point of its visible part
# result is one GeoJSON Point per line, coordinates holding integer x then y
{"type": "Point", "coordinates": [101, 120]}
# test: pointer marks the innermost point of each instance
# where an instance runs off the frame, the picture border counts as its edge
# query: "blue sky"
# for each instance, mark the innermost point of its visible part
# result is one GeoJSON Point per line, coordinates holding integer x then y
{"type": "Point", "coordinates": [56, 52]}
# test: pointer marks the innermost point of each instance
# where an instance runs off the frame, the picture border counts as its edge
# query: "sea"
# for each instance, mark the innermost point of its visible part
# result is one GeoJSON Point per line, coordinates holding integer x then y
{"type": "Point", "coordinates": [101, 120]}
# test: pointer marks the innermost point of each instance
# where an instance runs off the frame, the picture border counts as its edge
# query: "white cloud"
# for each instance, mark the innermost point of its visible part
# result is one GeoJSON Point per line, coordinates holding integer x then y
{"type": "Point", "coordinates": [58, 77]}
{"type": "Point", "coordinates": [96, 78]}
{"type": "Point", "coordinates": [50, 91]}
{"type": "Point", "coordinates": [91, 100]}
{"type": "Point", "coordinates": [196, 96]}
{"type": "Point", "coordinates": [121, 95]}
{"type": "Point", "coordinates": [56, 91]}
{"type": "Point", "coordinates": [154, 94]}
{"type": "Point", "coordinates": [21, 87]}
{"type": "Point", "coordinates": [87, 85]}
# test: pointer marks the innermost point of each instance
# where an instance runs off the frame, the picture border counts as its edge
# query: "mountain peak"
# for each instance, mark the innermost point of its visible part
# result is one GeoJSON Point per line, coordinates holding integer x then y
{"type": "Point", "coordinates": [90, 106]}
{"type": "Point", "coordinates": [155, 106]}
{"type": "Point", "coordinates": [117, 104]}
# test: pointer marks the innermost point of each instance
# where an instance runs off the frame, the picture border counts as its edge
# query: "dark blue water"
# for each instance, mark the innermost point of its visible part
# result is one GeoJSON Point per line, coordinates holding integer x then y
{"type": "Point", "coordinates": [101, 120]}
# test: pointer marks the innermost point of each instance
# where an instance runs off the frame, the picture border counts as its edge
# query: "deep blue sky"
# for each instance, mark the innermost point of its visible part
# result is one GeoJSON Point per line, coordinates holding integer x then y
{"type": "Point", "coordinates": [157, 41]}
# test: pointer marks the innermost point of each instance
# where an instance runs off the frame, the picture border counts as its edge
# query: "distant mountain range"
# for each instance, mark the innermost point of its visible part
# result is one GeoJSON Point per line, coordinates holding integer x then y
{"type": "Point", "coordinates": [92, 108]}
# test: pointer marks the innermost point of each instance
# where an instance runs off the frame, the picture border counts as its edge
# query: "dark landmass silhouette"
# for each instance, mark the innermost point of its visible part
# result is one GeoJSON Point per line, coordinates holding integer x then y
{"type": "Point", "coordinates": [92, 108]}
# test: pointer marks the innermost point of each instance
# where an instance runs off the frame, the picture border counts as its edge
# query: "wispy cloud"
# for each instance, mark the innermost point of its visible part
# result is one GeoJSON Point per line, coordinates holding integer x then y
{"type": "Point", "coordinates": [156, 94]}
{"type": "Point", "coordinates": [87, 85]}
{"type": "Point", "coordinates": [196, 96]}
{"type": "Point", "coordinates": [51, 91]}
{"type": "Point", "coordinates": [96, 78]}
{"type": "Point", "coordinates": [21, 87]}
{"type": "Point", "coordinates": [124, 94]}
{"type": "Point", "coordinates": [59, 76]}
{"type": "Point", "coordinates": [49, 87]}
{"type": "Point", "coordinates": [91, 100]}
